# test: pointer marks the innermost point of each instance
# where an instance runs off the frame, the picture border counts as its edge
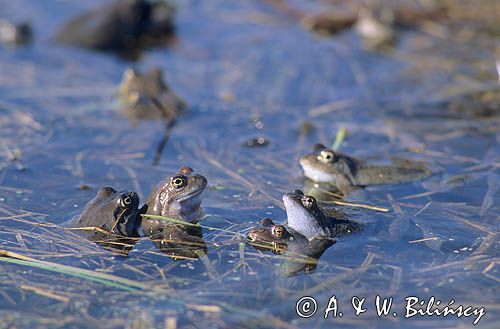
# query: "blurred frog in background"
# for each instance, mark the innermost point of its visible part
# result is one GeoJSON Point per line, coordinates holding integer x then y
{"type": "Point", "coordinates": [123, 27]}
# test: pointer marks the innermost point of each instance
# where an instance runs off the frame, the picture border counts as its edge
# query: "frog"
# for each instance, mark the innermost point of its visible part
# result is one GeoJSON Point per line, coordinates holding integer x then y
{"type": "Point", "coordinates": [282, 239]}
{"type": "Point", "coordinates": [146, 96]}
{"type": "Point", "coordinates": [120, 26]}
{"type": "Point", "coordinates": [15, 33]}
{"type": "Point", "coordinates": [115, 217]}
{"type": "Point", "coordinates": [305, 216]}
{"type": "Point", "coordinates": [178, 196]}
{"type": "Point", "coordinates": [346, 173]}
{"type": "Point", "coordinates": [478, 104]}
{"type": "Point", "coordinates": [376, 34]}
{"type": "Point", "coordinates": [342, 15]}
{"type": "Point", "coordinates": [302, 253]}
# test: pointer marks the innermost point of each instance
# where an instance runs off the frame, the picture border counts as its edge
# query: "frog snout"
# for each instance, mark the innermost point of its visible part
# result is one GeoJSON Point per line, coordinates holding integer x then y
{"type": "Point", "coordinates": [252, 236]}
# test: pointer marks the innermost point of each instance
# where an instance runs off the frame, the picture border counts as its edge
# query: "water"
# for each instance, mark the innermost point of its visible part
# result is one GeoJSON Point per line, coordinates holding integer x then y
{"type": "Point", "coordinates": [247, 71]}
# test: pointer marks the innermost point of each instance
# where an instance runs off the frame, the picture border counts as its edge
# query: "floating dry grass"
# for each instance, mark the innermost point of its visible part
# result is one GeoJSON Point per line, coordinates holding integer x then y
{"type": "Point", "coordinates": [238, 278]}
{"type": "Point", "coordinates": [106, 279]}
{"type": "Point", "coordinates": [181, 222]}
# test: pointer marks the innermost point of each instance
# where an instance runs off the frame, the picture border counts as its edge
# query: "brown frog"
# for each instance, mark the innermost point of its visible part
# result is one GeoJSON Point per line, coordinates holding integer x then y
{"type": "Point", "coordinates": [302, 253]}
{"type": "Point", "coordinates": [178, 197]}
{"type": "Point", "coordinates": [147, 97]}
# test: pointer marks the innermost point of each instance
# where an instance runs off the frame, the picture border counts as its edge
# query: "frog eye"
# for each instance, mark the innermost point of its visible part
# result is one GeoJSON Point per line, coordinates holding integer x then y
{"type": "Point", "coordinates": [178, 182]}
{"type": "Point", "coordinates": [326, 156]}
{"type": "Point", "coordinates": [308, 201]}
{"type": "Point", "coordinates": [125, 201]}
{"type": "Point", "coordinates": [278, 231]}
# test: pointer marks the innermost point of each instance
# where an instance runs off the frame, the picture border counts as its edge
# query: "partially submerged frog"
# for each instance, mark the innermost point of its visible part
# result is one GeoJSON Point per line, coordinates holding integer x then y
{"type": "Point", "coordinates": [178, 196]}
{"type": "Point", "coordinates": [111, 218]}
{"type": "Point", "coordinates": [303, 253]}
{"type": "Point", "coordinates": [475, 104]}
{"type": "Point", "coordinates": [147, 96]}
{"type": "Point", "coordinates": [280, 239]}
{"type": "Point", "coordinates": [376, 33]}
{"type": "Point", "coordinates": [306, 217]}
{"type": "Point", "coordinates": [15, 34]}
{"type": "Point", "coordinates": [120, 26]}
{"type": "Point", "coordinates": [344, 172]}
{"type": "Point", "coordinates": [344, 14]}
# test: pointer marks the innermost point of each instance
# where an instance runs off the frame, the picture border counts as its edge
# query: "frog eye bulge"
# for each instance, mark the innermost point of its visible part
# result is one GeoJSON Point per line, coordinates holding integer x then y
{"type": "Point", "coordinates": [266, 222]}
{"type": "Point", "coordinates": [178, 182]}
{"type": "Point", "coordinates": [308, 201]}
{"type": "Point", "coordinates": [326, 156]}
{"type": "Point", "coordinates": [278, 231]}
{"type": "Point", "coordinates": [125, 201]}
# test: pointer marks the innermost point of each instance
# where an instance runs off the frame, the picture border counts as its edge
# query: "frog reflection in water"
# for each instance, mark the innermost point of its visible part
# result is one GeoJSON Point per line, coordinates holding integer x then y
{"type": "Point", "coordinates": [346, 173]}
{"type": "Point", "coordinates": [116, 218]}
{"type": "Point", "coordinates": [178, 197]}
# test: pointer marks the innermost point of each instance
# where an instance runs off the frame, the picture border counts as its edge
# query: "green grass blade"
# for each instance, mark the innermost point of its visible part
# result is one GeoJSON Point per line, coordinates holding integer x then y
{"type": "Point", "coordinates": [341, 134]}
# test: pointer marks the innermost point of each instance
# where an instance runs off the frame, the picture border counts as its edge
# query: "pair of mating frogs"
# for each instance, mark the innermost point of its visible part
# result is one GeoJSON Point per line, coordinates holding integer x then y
{"type": "Point", "coordinates": [116, 220]}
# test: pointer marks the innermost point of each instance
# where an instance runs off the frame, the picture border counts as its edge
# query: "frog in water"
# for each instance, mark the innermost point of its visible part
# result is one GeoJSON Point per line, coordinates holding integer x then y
{"type": "Point", "coordinates": [346, 173]}
{"type": "Point", "coordinates": [122, 26]}
{"type": "Point", "coordinates": [15, 34]}
{"type": "Point", "coordinates": [303, 252]}
{"type": "Point", "coordinates": [147, 97]}
{"type": "Point", "coordinates": [116, 217]}
{"type": "Point", "coordinates": [306, 217]}
{"type": "Point", "coordinates": [178, 196]}
{"type": "Point", "coordinates": [280, 239]}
